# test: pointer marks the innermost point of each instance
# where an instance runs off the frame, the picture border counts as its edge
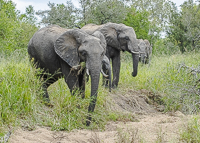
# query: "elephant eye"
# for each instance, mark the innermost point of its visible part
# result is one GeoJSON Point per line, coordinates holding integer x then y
{"type": "Point", "coordinates": [83, 53]}
{"type": "Point", "coordinates": [126, 38]}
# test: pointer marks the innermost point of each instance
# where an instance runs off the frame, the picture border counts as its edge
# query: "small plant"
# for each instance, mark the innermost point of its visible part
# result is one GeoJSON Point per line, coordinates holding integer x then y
{"type": "Point", "coordinates": [160, 137]}
{"type": "Point", "coordinates": [191, 132]}
{"type": "Point", "coordinates": [129, 136]}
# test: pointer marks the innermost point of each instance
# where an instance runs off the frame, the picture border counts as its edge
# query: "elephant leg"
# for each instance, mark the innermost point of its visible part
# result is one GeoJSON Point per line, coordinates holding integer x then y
{"type": "Point", "coordinates": [71, 77]}
{"type": "Point", "coordinates": [47, 82]}
{"type": "Point", "coordinates": [72, 81]}
{"type": "Point", "coordinates": [116, 69]}
{"type": "Point", "coordinates": [82, 80]}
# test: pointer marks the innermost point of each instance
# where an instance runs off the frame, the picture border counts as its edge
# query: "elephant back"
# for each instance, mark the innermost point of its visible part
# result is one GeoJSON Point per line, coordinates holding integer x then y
{"type": "Point", "coordinates": [91, 28]}
{"type": "Point", "coordinates": [41, 45]}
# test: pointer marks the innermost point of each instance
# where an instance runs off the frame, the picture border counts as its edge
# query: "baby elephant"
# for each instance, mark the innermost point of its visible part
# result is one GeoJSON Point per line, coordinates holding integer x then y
{"type": "Point", "coordinates": [145, 50]}
{"type": "Point", "coordinates": [61, 52]}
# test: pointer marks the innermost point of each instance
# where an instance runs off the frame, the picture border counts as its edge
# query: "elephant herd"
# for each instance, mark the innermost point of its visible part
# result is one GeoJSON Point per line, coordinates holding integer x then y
{"type": "Point", "coordinates": [75, 53]}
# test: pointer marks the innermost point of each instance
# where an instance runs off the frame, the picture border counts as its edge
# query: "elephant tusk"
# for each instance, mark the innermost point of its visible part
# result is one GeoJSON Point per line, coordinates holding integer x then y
{"type": "Point", "coordinates": [87, 72]}
{"type": "Point", "coordinates": [105, 75]}
{"type": "Point", "coordinates": [135, 52]}
{"type": "Point", "coordinates": [76, 67]}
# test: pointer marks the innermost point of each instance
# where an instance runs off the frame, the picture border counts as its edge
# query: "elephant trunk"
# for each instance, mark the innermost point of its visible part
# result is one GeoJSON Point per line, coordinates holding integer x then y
{"type": "Point", "coordinates": [135, 64]}
{"type": "Point", "coordinates": [94, 74]}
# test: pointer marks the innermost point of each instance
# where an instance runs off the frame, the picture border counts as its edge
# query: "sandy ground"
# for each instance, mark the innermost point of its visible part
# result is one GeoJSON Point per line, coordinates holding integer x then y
{"type": "Point", "coordinates": [151, 126]}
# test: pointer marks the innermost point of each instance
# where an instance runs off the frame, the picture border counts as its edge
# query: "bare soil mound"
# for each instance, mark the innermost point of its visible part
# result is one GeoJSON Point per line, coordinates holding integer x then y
{"type": "Point", "coordinates": [139, 102]}
{"type": "Point", "coordinates": [151, 125]}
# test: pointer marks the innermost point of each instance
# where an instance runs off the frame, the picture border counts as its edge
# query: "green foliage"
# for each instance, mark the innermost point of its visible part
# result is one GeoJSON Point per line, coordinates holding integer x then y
{"type": "Point", "coordinates": [167, 77]}
{"type": "Point", "coordinates": [159, 12]}
{"type": "Point", "coordinates": [18, 88]}
{"type": "Point", "coordinates": [139, 21]}
{"type": "Point", "coordinates": [103, 11]}
{"type": "Point", "coordinates": [165, 47]}
{"type": "Point", "coordinates": [191, 133]}
{"type": "Point", "coordinates": [14, 33]}
{"type": "Point", "coordinates": [29, 16]}
{"type": "Point", "coordinates": [184, 27]}
{"type": "Point", "coordinates": [60, 14]}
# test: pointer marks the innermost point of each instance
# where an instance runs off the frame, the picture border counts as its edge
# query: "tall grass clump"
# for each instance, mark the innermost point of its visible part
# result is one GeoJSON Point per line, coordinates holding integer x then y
{"type": "Point", "coordinates": [18, 88]}
{"type": "Point", "coordinates": [173, 77]}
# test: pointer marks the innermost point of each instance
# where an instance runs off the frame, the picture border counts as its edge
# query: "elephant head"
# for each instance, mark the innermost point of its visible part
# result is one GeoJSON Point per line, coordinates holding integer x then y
{"type": "Point", "coordinates": [149, 50]}
{"type": "Point", "coordinates": [75, 46]}
{"type": "Point", "coordinates": [105, 61]}
{"type": "Point", "coordinates": [142, 50]}
{"type": "Point", "coordinates": [123, 38]}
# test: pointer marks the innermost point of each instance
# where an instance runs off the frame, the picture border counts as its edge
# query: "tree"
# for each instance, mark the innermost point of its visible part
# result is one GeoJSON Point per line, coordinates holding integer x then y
{"type": "Point", "coordinates": [14, 33]}
{"type": "Point", "coordinates": [29, 16]}
{"type": "Point", "coordinates": [139, 21]}
{"type": "Point", "coordinates": [159, 13]}
{"type": "Point", "coordinates": [185, 26]}
{"type": "Point", "coordinates": [102, 11]}
{"type": "Point", "coordinates": [60, 14]}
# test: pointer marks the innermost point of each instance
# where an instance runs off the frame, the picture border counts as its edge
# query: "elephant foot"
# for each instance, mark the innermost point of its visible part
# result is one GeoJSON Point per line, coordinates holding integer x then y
{"type": "Point", "coordinates": [48, 104]}
{"type": "Point", "coordinates": [46, 101]}
{"type": "Point", "coordinates": [134, 74]}
{"type": "Point", "coordinates": [105, 84]}
{"type": "Point", "coordinates": [88, 120]}
{"type": "Point", "coordinates": [114, 86]}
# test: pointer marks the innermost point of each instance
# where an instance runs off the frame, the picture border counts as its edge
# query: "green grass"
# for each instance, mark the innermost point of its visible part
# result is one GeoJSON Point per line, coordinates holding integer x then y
{"type": "Point", "coordinates": [191, 133]}
{"type": "Point", "coordinates": [165, 77]}
{"type": "Point", "coordinates": [21, 104]}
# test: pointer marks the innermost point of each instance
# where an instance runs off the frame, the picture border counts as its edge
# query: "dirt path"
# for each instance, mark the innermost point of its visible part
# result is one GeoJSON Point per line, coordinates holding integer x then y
{"type": "Point", "coordinates": [151, 126]}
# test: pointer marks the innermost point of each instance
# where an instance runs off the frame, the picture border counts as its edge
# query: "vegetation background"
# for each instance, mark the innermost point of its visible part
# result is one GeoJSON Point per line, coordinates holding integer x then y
{"type": "Point", "coordinates": [173, 72]}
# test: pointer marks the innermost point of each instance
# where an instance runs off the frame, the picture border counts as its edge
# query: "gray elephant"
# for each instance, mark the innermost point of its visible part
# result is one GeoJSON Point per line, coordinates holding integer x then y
{"type": "Point", "coordinates": [61, 53]}
{"type": "Point", "coordinates": [119, 37]}
{"type": "Point", "coordinates": [149, 51]}
{"type": "Point", "coordinates": [145, 51]}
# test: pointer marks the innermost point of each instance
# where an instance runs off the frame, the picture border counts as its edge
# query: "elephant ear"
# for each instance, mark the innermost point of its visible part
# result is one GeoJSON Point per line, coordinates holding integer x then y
{"type": "Point", "coordinates": [66, 46]}
{"type": "Point", "coordinates": [111, 35]}
{"type": "Point", "coordinates": [99, 35]}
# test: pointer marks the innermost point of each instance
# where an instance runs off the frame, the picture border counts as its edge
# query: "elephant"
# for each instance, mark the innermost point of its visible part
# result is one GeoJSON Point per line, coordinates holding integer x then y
{"type": "Point", "coordinates": [145, 51]}
{"type": "Point", "coordinates": [149, 51]}
{"type": "Point", "coordinates": [119, 37]}
{"type": "Point", "coordinates": [61, 52]}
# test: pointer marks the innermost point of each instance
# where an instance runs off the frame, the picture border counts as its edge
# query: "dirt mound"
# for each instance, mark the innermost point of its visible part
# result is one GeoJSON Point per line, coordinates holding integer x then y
{"type": "Point", "coordinates": [138, 102]}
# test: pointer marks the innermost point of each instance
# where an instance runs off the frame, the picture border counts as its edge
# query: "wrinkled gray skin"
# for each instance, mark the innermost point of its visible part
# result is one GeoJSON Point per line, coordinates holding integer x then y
{"type": "Point", "coordinates": [119, 37]}
{"type": "Point", "coordinates": [60, 51]}
{"type": "Point", "coordinates": [145, 51]}
{"type": "Point", "coordinates": [105, 62]}
{"type": "Point", "coordinates": [107, 70]}
{"type": "Point", "coordinates": [149, 51]}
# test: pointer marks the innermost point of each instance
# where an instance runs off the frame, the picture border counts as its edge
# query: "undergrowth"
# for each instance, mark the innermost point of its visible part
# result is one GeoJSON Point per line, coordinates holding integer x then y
{"type": "Point", "coordinates": [175, 78]}
{"type": "Point", "coordinates": [172, 77]}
